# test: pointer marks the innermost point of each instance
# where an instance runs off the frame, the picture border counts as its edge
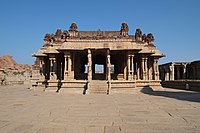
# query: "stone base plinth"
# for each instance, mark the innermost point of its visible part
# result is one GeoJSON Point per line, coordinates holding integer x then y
{"type": "Point", "coordinates": [52, 85]}
{"type": "Point", "coordinates": [193, 85]}
{"type": "Point", "coordinates": [74, 86]}
{"type": "Point", "coordinates": [142, 83]}
{"type": "Point", "coordinates": [81, 86]}
{"type": "Point", "coordinates": [38, 85]}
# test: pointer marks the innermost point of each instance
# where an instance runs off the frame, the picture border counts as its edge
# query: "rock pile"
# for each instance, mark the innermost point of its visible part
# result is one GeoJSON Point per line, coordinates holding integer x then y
{"type": "Point", "coordinates": [13, 73]}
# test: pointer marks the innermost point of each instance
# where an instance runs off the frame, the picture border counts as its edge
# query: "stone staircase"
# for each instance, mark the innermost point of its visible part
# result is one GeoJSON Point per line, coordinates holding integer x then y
{"type": "Point", "coordinates": [98, 87]}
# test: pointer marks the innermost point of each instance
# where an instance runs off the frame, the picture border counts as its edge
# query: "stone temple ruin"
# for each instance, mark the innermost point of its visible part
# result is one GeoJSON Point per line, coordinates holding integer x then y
{"type": "Point", "coordinates": [96, 61]}
{"type": "Point", "coordinates": [181, 75]}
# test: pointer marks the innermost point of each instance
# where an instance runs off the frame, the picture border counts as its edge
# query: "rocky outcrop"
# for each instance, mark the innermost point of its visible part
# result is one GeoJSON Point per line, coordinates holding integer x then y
{"type": "Point", "coordinates": [13, 73]}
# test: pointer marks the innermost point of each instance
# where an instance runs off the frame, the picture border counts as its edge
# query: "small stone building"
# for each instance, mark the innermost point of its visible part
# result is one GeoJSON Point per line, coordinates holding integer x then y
{"type": "Point", "coordinates": [180, 71]}
{"type": "Point", "coordinates": [72, 59]}
{"type": "Point", "coordinates": [181, 75]}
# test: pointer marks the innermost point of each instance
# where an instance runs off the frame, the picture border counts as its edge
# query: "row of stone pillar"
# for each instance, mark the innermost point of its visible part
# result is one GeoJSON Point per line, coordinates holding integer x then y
{"type": "Point", "coordinates": [169, 72]}
{"type": "Point", "coordinates": [130, 66]}
{"type": "Point", "coordinates": [142, 68]}
{"type": "Point", "coordinates": [108, 65]}
{"type": "Point", "coordinates": [68, 66]}
{"type": "Point", "coordinates": [53, 67]}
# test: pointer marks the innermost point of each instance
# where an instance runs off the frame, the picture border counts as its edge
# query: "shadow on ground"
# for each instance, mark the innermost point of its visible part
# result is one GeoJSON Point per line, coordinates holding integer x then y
{"type": "Point", "coordinates": [186, 96]}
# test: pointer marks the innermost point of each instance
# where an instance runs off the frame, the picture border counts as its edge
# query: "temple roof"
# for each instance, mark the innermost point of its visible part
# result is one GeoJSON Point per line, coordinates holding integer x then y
{"type": "Point", "coordinates": [113, 40]}
{"type": "Point", "coordinates": [40, 52]}
{"type": "Point", "coordinates": [51, 50]}
{"type": "Point", "coordinates": [98, 33]}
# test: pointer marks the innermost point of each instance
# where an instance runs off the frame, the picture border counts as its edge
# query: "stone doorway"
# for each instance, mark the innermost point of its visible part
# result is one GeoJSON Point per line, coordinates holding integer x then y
{"type": "Point", "coordinates": [80, 65]}
{"type": "Point", "coordinates": [99, 65]}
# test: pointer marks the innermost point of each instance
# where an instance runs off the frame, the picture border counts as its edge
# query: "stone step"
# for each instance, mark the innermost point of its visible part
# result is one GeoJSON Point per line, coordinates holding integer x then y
{"type": "Point", "coordinates": [98, 87]}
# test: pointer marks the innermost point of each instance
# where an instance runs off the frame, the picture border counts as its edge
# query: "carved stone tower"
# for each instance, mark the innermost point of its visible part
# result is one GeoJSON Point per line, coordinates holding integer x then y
{"type": "Point", "coordinates": [124, 29]}
{"type": "Point", "coordinates": [73, 30]}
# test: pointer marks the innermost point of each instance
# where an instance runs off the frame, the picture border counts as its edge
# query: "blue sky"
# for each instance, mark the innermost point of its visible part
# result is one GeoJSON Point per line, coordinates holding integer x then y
{"type": "Point", "coordinates": [175, 24]}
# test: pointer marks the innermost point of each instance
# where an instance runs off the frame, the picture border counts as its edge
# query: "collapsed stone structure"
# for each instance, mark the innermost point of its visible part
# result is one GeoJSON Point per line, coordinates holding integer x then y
{"type": "Point", "coordinates": [13, 73]}
{"type": "Point", "coordinates": [68, 60]}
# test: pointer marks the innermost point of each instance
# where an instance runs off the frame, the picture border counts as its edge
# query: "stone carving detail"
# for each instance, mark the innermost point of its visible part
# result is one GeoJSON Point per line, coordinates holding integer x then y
{"type": "Point", "coordinates": [138, 35]}
{"type": "Point", "coordinates": [49, 38]}
{"type": "Point", "coordinates": [73, 29]}
{"type": "Point", "coordinates": [144, 38]}
{"type": "Point", "coordinates": [64, 35]}
{"type": "Point", "coordinates": [124, 29]}
{"type": "Point", "coordinates": [58, 33]}
{"type": "Point", "coordinates": [150, 38]}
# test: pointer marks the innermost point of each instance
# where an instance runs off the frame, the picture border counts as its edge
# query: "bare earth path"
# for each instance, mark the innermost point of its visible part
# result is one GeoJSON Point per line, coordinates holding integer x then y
{"type": "Point", "coordinates": [27, 111]}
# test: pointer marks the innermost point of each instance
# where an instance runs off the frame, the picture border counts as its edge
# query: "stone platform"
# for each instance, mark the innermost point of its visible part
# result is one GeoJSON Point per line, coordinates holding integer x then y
{"type": "Point", "coordinates": [146, 111]}
{"type": "Point", "coordinates": [94, 86]}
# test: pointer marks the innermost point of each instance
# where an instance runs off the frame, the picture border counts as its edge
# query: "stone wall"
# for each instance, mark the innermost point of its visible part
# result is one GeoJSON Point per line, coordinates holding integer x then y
{"type": "Point", "coordinates": [193, 85]}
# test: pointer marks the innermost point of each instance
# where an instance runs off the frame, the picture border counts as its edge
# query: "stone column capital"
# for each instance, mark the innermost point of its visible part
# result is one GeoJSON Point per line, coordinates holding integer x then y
{"type": "Point", "coordinates": [65, 56]}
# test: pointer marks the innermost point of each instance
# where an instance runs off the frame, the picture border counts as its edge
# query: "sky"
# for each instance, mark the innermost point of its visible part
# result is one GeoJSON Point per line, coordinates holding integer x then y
{"type": "Point", "coordinates": [175, 24]}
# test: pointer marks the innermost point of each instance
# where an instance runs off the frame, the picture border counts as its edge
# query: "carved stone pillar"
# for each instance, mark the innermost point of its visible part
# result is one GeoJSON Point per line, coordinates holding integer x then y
{"type": "Point", "coordinates": [145, 69]}
{"type": "Point", "coordinates": [66, 67]}
{"type": "Point", "coordinates": [42, 65]}
{"type": "Point", "coordinates": [142, 67]}
{"type": "Point", "coordinates": [128, 66]}
{"type": "Point", "coordinates": [149, 69]}
{"type": "Point", "coordinates": [167, 74]}
{"type": "Point", "coordinates": [184, 71]}
{"type": "Point", "coordinates": [156, 69]}
{"type": "Point", "coordinates": [171, 71]}
{"type": "Point", "coordinates": [53, 68]}
{"type": "Point", "coordinates": [69, 64]}
{"type": "Point", "coordinates": [89, 65]}
{"type": "Point", "coordinates": [108, 66]}
{"type": "Point", "coordinates": [132, 67]}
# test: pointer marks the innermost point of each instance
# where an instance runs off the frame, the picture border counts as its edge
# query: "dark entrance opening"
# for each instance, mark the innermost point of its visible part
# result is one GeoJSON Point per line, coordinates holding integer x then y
{"type": "Point", "coordinates": [99, 65]}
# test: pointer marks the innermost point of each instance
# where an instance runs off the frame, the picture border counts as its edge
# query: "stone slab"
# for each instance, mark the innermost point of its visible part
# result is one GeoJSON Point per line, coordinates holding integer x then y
{"type": "Point", "coordinates": [149, 110]}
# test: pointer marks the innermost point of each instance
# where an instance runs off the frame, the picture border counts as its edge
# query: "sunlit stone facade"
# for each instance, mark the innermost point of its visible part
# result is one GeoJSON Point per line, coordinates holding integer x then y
{"type": "Point", "coordinates": [68, 60]}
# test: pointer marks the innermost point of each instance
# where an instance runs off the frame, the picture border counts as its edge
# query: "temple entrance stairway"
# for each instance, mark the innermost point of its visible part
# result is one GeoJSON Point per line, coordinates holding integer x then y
{"type": "Point", "coordinates": [98, 87]}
